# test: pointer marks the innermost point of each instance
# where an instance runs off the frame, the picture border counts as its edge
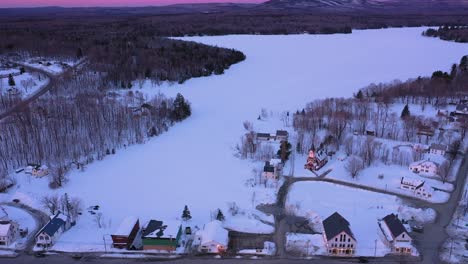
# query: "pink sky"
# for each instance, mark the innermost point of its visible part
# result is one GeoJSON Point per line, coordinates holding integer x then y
{"type": "Point", "coordinates": [71, 3]}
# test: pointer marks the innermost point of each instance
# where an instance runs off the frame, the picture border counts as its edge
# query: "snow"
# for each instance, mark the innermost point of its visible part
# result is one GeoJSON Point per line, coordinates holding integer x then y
{"type": "Point", "coordinates": [27, 83]}
{"type": "Point", "coordinates": [306, 244]}
{"type": "Point", "coordinates": [126, 226]}
{"type": "Point", "coordinates": [194, 163]}
{"type": "Point", "coordinates": [361, 208]}
{"type": "Point", "coordinates": [214, 232]}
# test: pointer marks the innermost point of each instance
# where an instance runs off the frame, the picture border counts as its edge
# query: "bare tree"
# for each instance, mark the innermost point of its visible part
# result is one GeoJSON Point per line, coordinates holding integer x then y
{"type": "Point", "coordinates": [444, 170]}
{"type": "Point", "coordinates": [52, 203]}
{"type": "Point", "coordinates": [354, 165]}
{"type": "Point", "coordinates": [98, 219]}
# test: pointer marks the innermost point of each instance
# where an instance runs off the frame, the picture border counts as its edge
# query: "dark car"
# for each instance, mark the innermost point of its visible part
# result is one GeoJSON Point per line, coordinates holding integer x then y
{"type": "Point", "coordinates": [39, 254]}
{"type": "Point", "coordinates": [362, 260]}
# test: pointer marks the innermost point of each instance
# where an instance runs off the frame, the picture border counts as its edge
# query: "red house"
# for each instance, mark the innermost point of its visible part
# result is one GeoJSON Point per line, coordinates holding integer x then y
{"type": "Point", "coordinates": [126, 233]}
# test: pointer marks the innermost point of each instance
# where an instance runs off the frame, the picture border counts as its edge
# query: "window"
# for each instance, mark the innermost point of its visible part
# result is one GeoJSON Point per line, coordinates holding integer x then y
{"type": "Point", "coordinates": [352, 245]}
{"type": "Point", "coordinates": [349, 239]}
{"type": "Point", "coordinates": [41, 237]}
{"type": "Point", "coordinates": [336, 239]}
{"type": "Point", "coordinates": [403, 236]}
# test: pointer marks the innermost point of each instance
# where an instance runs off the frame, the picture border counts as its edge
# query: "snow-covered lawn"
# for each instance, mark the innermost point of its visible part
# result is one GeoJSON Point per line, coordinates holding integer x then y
{"type": "Point", "coordinates": [26, 83]}
{"type": "Point", "coordinates": [305, 244]}
{"type": "Point", "coordinates": [194, 163]}
{"type": "Point", "coordinates": [361, 208]}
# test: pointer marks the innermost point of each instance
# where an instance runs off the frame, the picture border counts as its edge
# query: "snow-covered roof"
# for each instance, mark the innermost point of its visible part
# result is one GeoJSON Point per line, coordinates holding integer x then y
{"type": "Point", "coordinates": [214, 231]}
{"type": "Point", "coordinates": [394, 225]}
{"type": "Point", "coordinates": [162, 229]}
{"type": "Point", "coordinates": [126, 226]}
{"type": "Point", "coordinates": [439, 147]}
{"type": "Point", "coordinates": [424, 163]}
{"type": "Point", "coordinates": [275, 162]}
{"type": "Point", "coordinates": [4, 229]}
{"type": "Point", "coordinates": [385, 231]}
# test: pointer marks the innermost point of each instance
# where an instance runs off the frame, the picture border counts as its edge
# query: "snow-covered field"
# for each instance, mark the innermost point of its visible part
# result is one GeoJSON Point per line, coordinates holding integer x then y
{"type": "Point", "coordinates": [26, 83]}
{"type": "Point", "coordinates": [361, 208]}
{"type": "Point", "coordinates": [194, 164]}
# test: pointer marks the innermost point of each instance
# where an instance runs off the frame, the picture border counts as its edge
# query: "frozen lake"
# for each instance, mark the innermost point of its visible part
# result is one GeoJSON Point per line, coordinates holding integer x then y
{"type": "Point", "coordinates": [193, 163]}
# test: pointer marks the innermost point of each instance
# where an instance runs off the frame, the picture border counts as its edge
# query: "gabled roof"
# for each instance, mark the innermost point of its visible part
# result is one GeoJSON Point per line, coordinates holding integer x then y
{"type": "Point", "coordinates": [439, 147]}
{"type": "Point", "coordinates": [336, 224]}
{"type": "Point", "coordinates": [160, 229]}
{"type": "Point", "coordinates": [126, 226]}
{"type": "Point", "coordinates": [4, 229]}
{"type": "Point", "coordinates": [152, 226]}
{"type": "Point", "coordinates": [282, 133]}
{"type": "Point", "coordinates": [263, 135]}
{"type": "Point", "coordinates": [53, 225]}
{"type": "Point", "coordinates": [424, 162]}
{"type": "Point", "coordinates": [394, 224]}
{"type": "Point", "coordinates": [413, 182]}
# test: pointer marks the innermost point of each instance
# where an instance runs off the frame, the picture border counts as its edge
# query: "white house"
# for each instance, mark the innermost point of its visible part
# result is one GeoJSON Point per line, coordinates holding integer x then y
{"type": "Point", "coordinates": [339, 239]}
{"type": "Point", "coordinates": [438, 149]}
{"type": "Point", "coordinates": [424, 167]}
{"type": "Point", "coordinates": [8, 232]}
{"type": "Point", "coordinates": [272, 169]}
{"type": "Point", "coordinates": [395, 235]}
{"type": "Point", "coordinates": [415, 186]}
{"type": "Point", "coordinates": [213, 238]}
{"type": "Point", "coordinates": [48, 234]}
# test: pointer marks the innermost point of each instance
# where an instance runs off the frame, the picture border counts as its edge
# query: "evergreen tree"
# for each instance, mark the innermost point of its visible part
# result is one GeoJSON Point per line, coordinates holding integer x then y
{"type": "Point", "coordinates": [359, 95]}
{"type": "Point", "coordinates": [181, 108]}
{"type": "Point", "coordinates": [186, 214]}
{"type": "Point", "coordinates": [79, 53]}
{"type": "Point", "coordinates": [464, 63]}
{"type": "Point", "coordinates": [11, 80]}
{"type": "Point", "coordinates": [453, 71]}
{"type": "Point", "coordinates": [284, 151]}
{"type": "Point", "coordinates": [405, 113]}
{"type": "Point", "coordinates": [220, 215]}
{"type": "Point", "coordinates": [22, 70]}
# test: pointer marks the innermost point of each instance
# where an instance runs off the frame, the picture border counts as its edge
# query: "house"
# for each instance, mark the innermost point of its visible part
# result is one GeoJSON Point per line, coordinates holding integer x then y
{"type": "Point", "coordinates": [37, 170]}
{"type": "Point", "coordinates": [438, 149]}
{"type": "Point", "coordinates": [426, 131]}
{"type": "Point", "coordinates": [126, 233]}
{"type": "Point", "coordinates": [8, 232]}
{"type": "Point", "coordinates": [339, 239]}
{"type": "Point", "coordinates": [213, 238]}
{"type": "Point", "coordinates": [272, 169]}
{"type": "Point", "coordinates": [282, 135]}
{"type": "Point", "coordinates": [424, 167]}
{"type": "Point", "coordinates": [415, 186]}
{"type": "Point", "coordinates": [157, 235]}
{"type": "Point", "coordinates": [461, 109]}
{"type": "Point", "coordinates": [395, 234]}
{"type": "Point", "coordinates": [316, 160]}
{"type": "Point", "coordinates": [48, 234]}
{"type": "Point", "coordinates": [264, 137]}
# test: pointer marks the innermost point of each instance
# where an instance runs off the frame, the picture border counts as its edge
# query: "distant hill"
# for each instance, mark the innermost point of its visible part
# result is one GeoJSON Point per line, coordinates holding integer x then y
{"type": "Point", "coordinates": [392, 6]}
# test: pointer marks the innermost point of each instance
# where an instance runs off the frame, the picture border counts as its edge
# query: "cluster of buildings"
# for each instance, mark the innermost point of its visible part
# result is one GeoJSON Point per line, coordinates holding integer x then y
{"type": "Point", "coordinates": [163, 236]}
{"type": "Point", "coordinates": [36, 170]}
{"type": "Point", "coordinates": [9, 230]}
{"type": "Point", "coordinates": [281, 135]}
{"type": "Point", "coordinates": [340, 240]}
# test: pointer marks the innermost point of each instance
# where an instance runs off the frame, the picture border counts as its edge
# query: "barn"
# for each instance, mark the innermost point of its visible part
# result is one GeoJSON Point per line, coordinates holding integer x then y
{"type": "Point", "coordinates": [126, 233]}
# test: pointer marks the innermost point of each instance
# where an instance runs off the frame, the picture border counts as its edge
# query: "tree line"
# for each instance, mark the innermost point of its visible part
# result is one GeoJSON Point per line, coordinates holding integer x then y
{"type": "Point", "coordinates": [453, 33]}
{"type": "Point", "coordinates": [80, 122]}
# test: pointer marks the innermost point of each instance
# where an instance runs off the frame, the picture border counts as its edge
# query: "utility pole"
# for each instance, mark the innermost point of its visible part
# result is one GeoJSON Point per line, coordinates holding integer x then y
{"type": "Point", "coordinates": [375, 249]}
{"type": "Point", "coordinates": [105, 246]}
{"type": "Point", "coordinates": [451, 246]}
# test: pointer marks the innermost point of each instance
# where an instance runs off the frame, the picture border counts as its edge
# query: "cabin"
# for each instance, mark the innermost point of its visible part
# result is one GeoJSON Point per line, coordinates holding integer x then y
{"type": "Point", "coordinates": [339, 239]}
{"type": "Point", "coordinates": [316, 160]}
{"type": "Point", "coordinates": [264, 137]}
{"type": "Point", "coordinates": [212, 239]}
{"type": "Point", "coordinates": [48, 235]}
{"type": "Point", "coordinates": [424, 167]}
{"type": "Point", "coordinates": [282, 135]}
{"type": "Point", "coordinates": [158, 235]}
{"type": "Point", "coordinates": [438, 149]}
{"type": "Point", "coordinates": [8, 232]}
{"type": "Point", "coordinates": [125, 235]}
{"type": "Point", "coordinates": [37, 170]}
{"type": "Point", "coordinates": [415, 186]}
{"type": "Point", "coordinates": [395, 235]}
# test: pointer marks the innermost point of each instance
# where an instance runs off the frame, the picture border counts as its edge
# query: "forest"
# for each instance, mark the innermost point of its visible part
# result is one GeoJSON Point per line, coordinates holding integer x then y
{"type": "Point", "coordinates": [453, 33]}
{"type": "Point", "coordinates": [80, 122]}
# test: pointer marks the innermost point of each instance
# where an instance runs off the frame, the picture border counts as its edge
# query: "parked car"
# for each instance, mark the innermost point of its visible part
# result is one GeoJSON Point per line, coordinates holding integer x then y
{"type": "Point", "coordinates": [415, 226]}
{"type": "Point", "coordinates": [362, 260]}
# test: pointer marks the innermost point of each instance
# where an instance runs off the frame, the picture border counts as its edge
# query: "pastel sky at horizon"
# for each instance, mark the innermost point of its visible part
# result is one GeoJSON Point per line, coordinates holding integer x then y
{"type": "Point", "coordinates": [84, 3]}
